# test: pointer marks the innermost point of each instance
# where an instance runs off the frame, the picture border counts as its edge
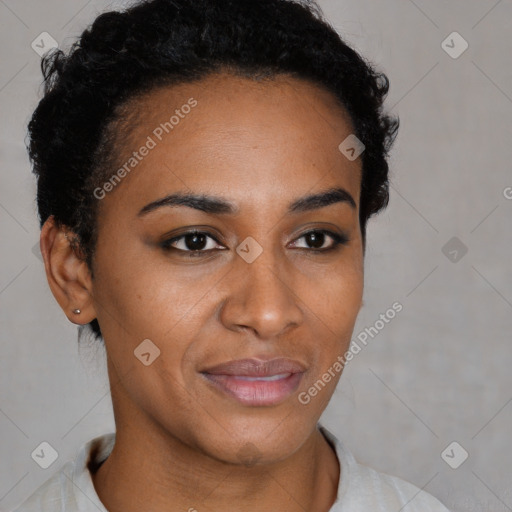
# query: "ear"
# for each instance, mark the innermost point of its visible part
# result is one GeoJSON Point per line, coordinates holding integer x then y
{"type": "Point", "coordinates": [68, 275]}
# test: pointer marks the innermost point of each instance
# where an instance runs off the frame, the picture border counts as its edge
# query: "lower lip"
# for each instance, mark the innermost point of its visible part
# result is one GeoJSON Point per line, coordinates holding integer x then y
{"type": "Point", "coordinates": [256, 392]}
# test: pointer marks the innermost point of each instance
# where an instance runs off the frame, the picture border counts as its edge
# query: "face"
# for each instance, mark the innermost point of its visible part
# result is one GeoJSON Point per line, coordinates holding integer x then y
{"type": "Point", "coordinates": [258, 263]}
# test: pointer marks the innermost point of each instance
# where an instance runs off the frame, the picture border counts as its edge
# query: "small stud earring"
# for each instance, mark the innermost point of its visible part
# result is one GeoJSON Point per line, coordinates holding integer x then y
{"type": "Point", "coordinates": [76, 311]}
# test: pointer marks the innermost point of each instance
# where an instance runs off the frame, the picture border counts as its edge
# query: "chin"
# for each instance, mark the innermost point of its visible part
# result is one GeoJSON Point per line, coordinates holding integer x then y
{"type": "Point", "coordinates": [257, 444]}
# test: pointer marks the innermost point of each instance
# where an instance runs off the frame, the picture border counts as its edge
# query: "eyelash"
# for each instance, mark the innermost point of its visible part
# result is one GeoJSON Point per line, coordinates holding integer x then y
{"type": "Point", "coordinates": [337, 241]}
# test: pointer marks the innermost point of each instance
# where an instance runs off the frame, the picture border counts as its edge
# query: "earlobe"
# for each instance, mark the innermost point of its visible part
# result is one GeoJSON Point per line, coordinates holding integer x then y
{"type": "Point", "coordinates": [68, 276]}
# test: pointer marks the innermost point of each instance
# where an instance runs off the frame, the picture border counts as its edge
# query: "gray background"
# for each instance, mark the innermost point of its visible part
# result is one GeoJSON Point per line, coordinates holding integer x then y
{"type": "Point", "coordinates": [438, 372]}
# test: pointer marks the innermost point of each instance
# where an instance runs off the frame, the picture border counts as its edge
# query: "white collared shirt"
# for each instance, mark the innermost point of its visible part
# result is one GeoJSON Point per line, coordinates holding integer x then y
{"type": "Point", "coordinates": [360, 489]}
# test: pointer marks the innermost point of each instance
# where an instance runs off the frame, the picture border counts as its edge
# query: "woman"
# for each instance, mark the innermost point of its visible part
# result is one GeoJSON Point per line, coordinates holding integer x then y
{"type": "Point", "coordinates": [206, 170]}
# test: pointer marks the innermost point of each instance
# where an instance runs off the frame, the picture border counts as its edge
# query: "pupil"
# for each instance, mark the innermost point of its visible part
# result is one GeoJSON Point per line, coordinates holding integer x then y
{"type": "Point", "coordinates": [192, 243]}
{"type": "Point", "coordinates": [316, 239]}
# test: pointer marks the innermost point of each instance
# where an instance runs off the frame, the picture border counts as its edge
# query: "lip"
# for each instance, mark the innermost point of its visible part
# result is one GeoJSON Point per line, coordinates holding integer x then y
{"type": "Point", "coordinates": [256, 382]}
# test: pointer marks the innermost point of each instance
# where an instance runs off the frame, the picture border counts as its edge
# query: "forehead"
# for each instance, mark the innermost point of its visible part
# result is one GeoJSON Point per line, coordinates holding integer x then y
{"type": "Point", "coordinates": [224, 88]}
{"type": "Point", "coordinates": [239, 134]}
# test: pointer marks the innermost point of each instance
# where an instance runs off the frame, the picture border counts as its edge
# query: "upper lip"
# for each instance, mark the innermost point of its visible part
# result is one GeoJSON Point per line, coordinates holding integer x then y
{"type": "Point", "coordinates": [257, 367]}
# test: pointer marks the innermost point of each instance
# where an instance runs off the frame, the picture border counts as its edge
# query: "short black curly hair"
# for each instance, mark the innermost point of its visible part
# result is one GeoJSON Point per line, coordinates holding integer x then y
{"type": "Point", "coordinates": [155, 43]}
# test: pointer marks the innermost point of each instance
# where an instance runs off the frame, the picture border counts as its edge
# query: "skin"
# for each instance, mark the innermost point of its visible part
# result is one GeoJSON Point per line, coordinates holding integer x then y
{"type": "Point", "coordinates": [181, 444]}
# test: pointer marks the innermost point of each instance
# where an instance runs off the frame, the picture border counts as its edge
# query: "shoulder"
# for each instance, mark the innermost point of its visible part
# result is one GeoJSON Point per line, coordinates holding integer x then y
{"type": "Point", "coordinates": [71, 489]}
{"type": "Point", "coordinates": [52, 494]}
{"type": "Point", "coordinates": [364, 488]}
{"type": "Point", "coordinates": [371, 489]}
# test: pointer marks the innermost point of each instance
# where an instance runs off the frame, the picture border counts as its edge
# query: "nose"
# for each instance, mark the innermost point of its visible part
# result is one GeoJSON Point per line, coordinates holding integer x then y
{"type": "Point", "coordinates": [261, 298]}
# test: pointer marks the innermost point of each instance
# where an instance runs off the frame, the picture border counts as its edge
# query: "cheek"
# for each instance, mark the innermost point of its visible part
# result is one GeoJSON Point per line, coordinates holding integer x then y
{"type": "Point", "coordinates": [148, 319]}
{"type": "Point", "coordinates": [334, 306]}
{"type": "Point", "coordinates": [343, 296]}
{"type": "Point", "coordinates": [148, 297]}
{"type": "Point", "coordinates": [158, 302]}
{"type": "Point", "coordinates": [333, 313]}
{"type": "Point", "coordinates": [335, 295]}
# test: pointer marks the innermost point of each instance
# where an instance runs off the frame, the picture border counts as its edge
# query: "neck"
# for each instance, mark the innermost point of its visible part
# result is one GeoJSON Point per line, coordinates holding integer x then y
{"type": "Point", "coordinates": [149, 470]}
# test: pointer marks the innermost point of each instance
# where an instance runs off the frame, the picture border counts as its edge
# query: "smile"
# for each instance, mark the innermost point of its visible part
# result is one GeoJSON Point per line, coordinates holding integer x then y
{"type": "Point", "coordinates": [256, 382]}
{"type": "Point", "coordinates": [256, 391]}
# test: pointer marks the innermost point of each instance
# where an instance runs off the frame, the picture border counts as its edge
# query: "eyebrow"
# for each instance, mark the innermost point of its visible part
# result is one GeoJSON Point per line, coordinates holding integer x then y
{"type": "Point", "coordinates": [217, 205]}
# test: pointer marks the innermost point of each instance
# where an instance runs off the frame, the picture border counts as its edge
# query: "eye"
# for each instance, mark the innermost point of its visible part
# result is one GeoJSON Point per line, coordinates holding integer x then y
{"type": "Point", "coordinates": [317, 239]}
{"type": "Point", "coordinates": [194, 242]}
{"type": "Point", "coordinates": [198, 243]}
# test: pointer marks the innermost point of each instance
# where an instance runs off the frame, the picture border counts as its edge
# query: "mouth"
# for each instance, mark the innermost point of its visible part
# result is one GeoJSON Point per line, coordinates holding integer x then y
{"type": "Point", "coordinates": [255, 382]}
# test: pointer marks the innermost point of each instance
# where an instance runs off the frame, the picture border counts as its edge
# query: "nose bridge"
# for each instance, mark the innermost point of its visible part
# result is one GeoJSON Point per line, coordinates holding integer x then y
{"type": "Point", "coordinates": [265, 282]}
{"type": "Point", "coordinates": [262, 297]}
